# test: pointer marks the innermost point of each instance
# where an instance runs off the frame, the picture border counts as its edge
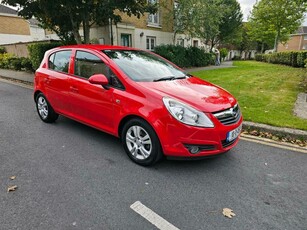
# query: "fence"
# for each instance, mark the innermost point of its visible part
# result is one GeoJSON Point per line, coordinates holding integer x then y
{"type": "Point", "coordinates": [21, 49]}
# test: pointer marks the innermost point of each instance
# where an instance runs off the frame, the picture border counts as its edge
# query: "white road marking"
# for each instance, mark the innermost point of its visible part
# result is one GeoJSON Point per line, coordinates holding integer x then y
{"type": "Point", "coordinates": [17, 83]}
{"type": "Point", "coordinates": [272, 143]}
{"type": "Point", "coordinates": [152, 217]}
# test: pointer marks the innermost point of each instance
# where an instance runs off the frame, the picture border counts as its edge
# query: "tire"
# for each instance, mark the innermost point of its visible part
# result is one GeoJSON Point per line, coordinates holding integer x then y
{"type": "Point", "coordinates": [45, 110]}
{"type": "Point", "coordinates": [141, 142]}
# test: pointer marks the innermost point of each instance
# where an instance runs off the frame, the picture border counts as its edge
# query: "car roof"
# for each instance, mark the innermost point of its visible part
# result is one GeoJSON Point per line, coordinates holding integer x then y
{"type": "Point", "coordinates": [98, 47]}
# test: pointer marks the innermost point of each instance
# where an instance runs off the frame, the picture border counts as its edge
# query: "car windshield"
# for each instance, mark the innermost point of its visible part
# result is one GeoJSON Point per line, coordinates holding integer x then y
{"type": "Point", "coordinates": [143, 66]}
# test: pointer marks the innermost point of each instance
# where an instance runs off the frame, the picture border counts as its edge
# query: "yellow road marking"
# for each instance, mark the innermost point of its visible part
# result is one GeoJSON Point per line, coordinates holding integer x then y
{"type": "Point", "coordinates": [272, 143]}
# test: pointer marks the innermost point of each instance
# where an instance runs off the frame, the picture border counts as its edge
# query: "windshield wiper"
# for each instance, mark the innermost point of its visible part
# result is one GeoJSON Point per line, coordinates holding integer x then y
{"type": "Point", "coordinates": [165, 79]}
{"type": "Point", "coordinates": [171, 78]}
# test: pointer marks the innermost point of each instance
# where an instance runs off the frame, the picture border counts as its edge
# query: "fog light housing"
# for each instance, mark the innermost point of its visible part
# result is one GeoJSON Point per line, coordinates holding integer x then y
{"type": "Point", "coordinates": [194, 149]}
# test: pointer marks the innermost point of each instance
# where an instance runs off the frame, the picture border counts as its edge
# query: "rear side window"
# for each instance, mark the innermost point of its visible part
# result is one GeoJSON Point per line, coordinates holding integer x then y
{"type": "Point", "coordinates": [87, 64]}
{"type": "Point", "coordinates": [59, 61]}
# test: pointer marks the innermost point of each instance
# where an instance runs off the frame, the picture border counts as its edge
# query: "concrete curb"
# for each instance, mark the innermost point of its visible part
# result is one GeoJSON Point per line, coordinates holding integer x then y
{"type": "Point", "coordinates": [287, 132]}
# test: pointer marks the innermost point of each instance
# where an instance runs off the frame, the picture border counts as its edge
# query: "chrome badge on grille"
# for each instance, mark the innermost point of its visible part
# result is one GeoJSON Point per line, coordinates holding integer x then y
{"type": "Point", "coordinates": [229, 116]}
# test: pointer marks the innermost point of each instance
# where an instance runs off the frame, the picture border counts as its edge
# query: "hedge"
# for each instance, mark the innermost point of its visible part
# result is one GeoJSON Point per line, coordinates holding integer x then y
{"type": "Point", "coordinates": [10, 61]}
{"type": "Point", "coordinates": [185, 57]}
{"type": "Point", "coordinates": [37, 52]}
{"type": "Point", "coordinates": [291, 58]}
{"type": "Point", "coordinates": [2, 50]}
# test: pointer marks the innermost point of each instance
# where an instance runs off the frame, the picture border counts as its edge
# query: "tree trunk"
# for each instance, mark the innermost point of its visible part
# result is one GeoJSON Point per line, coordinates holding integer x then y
{"type": "Point", "coordinates": [77, 36]}
{"type": "Point", "coordinates": [276, 40]}
{"type": "Point", "coordinates": [75, 30]}
{"type": "Point", "coordinates": [262, 47]}
{"type": "Point", "coordinates": [86, 28]}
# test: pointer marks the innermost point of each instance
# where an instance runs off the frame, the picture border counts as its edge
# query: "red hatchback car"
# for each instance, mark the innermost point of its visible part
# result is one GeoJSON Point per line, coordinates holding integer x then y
{"type": "Point", "coordinates": [151, 104]}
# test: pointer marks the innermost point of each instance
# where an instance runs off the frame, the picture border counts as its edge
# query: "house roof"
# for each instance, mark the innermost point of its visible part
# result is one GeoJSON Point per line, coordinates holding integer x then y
{"type": "Point", "coordinates": [7, 10]}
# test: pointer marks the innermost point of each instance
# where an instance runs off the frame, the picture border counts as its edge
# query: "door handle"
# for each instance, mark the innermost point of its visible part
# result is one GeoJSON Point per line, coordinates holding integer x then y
{"type": "Point", "coordinates": [47, 80]}
{"type": "Point", "coordinates": [74, 89]}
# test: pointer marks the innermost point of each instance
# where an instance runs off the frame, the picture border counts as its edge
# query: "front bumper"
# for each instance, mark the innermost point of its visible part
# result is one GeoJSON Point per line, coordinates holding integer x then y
{"type": "Point", "coordinates": [180, 140]}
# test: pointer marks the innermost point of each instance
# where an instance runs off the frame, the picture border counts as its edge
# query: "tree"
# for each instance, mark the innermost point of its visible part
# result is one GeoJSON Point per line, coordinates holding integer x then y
{"type": "Point", "coordinates": [214, 21]}
{"type": "Point", "coordinates": [208, 22]}
{"type": "Point", "coordinates": [231, 24]}
{"type": "Point", "coordinates": [276, 20]}
{"type": "Point", "coordinates": [184, 17]}
{"type": "Point", "coordinates": [65, 17]}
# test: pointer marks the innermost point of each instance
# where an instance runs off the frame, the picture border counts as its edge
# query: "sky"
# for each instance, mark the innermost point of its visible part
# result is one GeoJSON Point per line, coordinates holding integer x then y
{"type": "Point", "coordinates": [247, 6]}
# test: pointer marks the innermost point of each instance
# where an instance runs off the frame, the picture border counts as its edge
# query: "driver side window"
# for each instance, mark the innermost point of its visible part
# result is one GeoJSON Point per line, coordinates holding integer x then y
{"type": "Point", "coordinates": [87, 64]}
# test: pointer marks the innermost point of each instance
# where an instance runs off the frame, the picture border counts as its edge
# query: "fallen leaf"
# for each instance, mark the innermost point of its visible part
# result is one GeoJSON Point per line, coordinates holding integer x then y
{"type": "Point", "coordinates": [11, 188]}
{"type": "Point", "coordinates": [228, 212]}
{"type": "Point", "coordinates": [13, 177]}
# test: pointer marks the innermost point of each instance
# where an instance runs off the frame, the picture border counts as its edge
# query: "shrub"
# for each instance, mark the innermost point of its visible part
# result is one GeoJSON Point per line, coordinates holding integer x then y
{"type": "Point", "coordinates": [10, 61]}
{"type": "Point", "coordinates": [224, 52]}
{"type": "Point", "coordinates": [185, 57]}
{"type": "Point", "coordinates": [301, 58]}
{"type": "Point", "coordinates": [27, 64]}
{"type": "Point", "coordinates": [15, 63]}
{"type": "Point", "coordinates": [2, 50]}
{"type": "Point", "coordinates": [291, 58]}
{"type": "Point", "coordinates": [5, 60]}
{"type": "Point", "coordinates": [37, 52]}
{"type": "Point", "coordinates": [236, 58]}
{"type": "Point", "coordinates": [305, 62]}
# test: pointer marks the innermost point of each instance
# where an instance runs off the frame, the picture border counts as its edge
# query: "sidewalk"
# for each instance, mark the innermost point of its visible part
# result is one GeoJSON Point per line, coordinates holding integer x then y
{"type": "Point", "coordinates": [294, 133]}
{"type": "Point", "coordinates": [18, 75]}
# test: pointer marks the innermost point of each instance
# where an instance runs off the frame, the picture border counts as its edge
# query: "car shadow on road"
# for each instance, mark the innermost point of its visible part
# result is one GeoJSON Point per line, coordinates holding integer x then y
{"type": "Point", "coordinates": [116, 153]}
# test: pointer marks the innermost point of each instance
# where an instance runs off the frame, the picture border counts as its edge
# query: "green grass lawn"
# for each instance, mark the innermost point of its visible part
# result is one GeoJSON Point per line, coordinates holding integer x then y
{"type": "Point", "coordinates": [266, 92]}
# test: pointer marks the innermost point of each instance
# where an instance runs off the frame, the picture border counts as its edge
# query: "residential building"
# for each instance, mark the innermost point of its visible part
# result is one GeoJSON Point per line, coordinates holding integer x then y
{"type": "Point", "coordinates": [297, 41]}
{"type": "Point", "coordinates": [145, 32]}
{"type": "Point", "coordinates": [15, 29]}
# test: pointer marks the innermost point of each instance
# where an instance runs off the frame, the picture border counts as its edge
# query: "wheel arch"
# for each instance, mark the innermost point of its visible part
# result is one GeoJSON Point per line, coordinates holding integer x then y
{"type": "Point", "coordinates": [36, 93]}
{"type": "Point", "coordinates": [127, 118]}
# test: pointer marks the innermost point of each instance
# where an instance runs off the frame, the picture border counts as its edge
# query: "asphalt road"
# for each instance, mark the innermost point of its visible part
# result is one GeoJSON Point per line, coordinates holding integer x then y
{"type": "Point", "coordinates": [70, 176]}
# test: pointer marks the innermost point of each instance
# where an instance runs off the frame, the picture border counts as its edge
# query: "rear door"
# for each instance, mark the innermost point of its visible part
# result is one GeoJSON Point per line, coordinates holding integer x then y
{"type": "Point", "coordinates": [56, 80]}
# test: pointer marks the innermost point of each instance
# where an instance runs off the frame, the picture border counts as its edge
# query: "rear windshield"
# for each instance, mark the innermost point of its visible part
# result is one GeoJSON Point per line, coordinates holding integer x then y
{"type": "Point", "coordinates": [143, 66]}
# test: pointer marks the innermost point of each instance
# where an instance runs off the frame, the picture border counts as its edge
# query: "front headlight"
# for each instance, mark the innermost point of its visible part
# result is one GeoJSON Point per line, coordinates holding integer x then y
{"type": "Point", "coordinates": [186, 114]}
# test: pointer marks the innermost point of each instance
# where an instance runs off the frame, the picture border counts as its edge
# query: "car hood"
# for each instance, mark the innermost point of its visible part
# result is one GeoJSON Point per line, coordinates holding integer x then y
{"type": "Point", "coordinates": [193, 91]}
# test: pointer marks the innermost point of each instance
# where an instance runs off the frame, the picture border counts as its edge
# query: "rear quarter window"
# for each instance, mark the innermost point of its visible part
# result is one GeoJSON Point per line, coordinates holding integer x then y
{"type": "Point", "coordinates": [59, 61]}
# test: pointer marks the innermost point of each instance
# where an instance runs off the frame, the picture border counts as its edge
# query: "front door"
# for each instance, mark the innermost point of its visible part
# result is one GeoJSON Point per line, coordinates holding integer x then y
{"type": "Point", "coordinates": [91, 104]}
{"type": "Point", "coordinates": [125, 40]}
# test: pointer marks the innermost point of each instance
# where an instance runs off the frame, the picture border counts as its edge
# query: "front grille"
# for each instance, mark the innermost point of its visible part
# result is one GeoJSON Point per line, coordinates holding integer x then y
{"type": "Point", "coordinates": [229, 116]}
{"type": "Point", "coordinates": [226, 144]}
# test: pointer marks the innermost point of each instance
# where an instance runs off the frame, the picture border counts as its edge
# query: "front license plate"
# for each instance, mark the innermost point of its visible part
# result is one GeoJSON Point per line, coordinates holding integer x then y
{"type": "Point", "coordinates": [233, 134]}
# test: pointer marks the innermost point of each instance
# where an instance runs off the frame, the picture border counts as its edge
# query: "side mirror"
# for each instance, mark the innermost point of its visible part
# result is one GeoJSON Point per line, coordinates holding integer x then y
{"type": "Point", "coordinates": [98, 79]}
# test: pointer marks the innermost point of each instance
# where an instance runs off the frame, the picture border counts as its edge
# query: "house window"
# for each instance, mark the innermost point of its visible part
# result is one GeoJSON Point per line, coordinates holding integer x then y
{"type": "Point", "coordinates": [195, 43]}
{"type": "Point", "coordinates": [180, 42]}
{"type": "Point", "coordinates": [125, 40]}
{"type": "Point", "coordinates": [154, 19]}
{"type": "Point", "coordinates": [305, 37]}
{"type": "Point", "coordinates": [150, 43]}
